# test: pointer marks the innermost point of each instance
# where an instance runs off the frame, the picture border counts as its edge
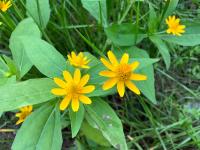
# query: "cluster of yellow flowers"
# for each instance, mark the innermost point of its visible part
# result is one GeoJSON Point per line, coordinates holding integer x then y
{"type": "Point", "coordinates": [74, 89]}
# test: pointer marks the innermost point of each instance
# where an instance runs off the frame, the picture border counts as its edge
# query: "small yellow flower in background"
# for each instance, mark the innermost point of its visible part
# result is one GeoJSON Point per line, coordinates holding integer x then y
{"type": "Point", "coordinates": [79, 60]}
{"type": "Point", "coordinates": [73, 89]}
{"type": "Point", "coordinates": [121, 73]}
{"type": "Point", "coordinates": [4, 5]}
{"type": "Point", "coordinates": [25, 112]}
{"type": "Point", "coordinates": [174, 26]}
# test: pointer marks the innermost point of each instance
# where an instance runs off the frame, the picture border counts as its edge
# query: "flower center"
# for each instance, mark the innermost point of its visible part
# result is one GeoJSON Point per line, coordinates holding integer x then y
{"type": "Point", "coordinates": [174, 26]}
{"type": "Point", "coordinates": [124, 72]}
{"type": "Point", "coordinates": [74, 90]}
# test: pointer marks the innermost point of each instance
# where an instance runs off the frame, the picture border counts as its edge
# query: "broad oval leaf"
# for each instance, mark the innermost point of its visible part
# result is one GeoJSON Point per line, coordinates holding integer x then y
{"type": "Point", "coordinates": [30, 92]}
{"type": "Point", "coordinates": [93, 134]}
{"type": "Point", "coordinates": [190, 38]}
{"type": "Point", "coordinates": [40, 131]}
{"type": "Point", "coordinates": [124, 34]}
{"type": "Point", "coordinates": [107, 122]}
{"type": "Point", "coordinates": [26, 27]}
{"type": "Point", "coordinates": [44, 56]}
{"type": "Point", "coordinates": [39, 10]}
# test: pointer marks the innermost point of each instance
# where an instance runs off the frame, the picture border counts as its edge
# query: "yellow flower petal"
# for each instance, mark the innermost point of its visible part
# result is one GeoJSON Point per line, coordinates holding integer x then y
{"type": "Point", "coordinates": [121, 88]}
{"type": "Point", "coordinates": [124, 59]}
{"type": "Point", "coordinates": [58, 92]}
{"type": "Point", "coordinates": [109, 83]}
{"type": "Point", "coordinates": [18, 114]}
{"type": "Point", "coordinates": [73, 55]}
{"type": "Point", "coordinates": [65, 102]}
{"type": "Point", "coordinates": [112, 58]}
{"type": "Point", "coordinates": [132, 87]}
{"type": "Point", "coordinates": [107, 73]}
{"type": "Point", "coordinates": [77, 75]}
{"type": "Point", "coordinates": [84, 80]}
{"type": "Point", "coordinates": [60, 82]}
{"type": "Point", "coordinates": [19, 121]}
{"type": "Point", "coordinates": [30, 108]}
{"type": "Point", "coordinates": [134, 65]}
{"type": "Point", "coordinates": [87, 89]}
{"type": "Point", "coordinates": [85, 66]}
{"type": "Point", "coordinates": [75, 104]}
{"type": "Point", "coordinates": [84, 99]}
{"type": "Point", "coordinates": [138, 77]}
{"type": "Point", "coordinates": [67, 76]}
{"type": "Point", "coordinates": [107, 64]}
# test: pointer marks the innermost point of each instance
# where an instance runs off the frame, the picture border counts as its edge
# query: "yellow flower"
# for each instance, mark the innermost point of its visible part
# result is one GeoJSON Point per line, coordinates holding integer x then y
{"type": "Point", "coordinates": [174, 26]}
{"type": "Point", "coordinates": [25, 112]}
{"type": "Point", "coordinates": [4, 5]}
{"type": "Point", "coordinates": [73, 89]}
{"type": "Point", "coordinates": [121, 73]}
{"type": "Point", "coordinates": [79, 60]}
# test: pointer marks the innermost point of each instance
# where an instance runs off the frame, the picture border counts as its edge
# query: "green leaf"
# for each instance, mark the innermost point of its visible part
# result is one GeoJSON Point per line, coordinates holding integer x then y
{"type": "Point", "coordinates": [41, 130]}
{"type": "Point", "coordinates": [3, 68]}
{"type": "Point", "coordinates": [100, 92]}
{"type": "Point", "coordinates": [163, 49]}
{"type": "Point", "coordinates": [124, 34]}
{"type": "Point", "coordinates": [153, 19]}
{"type": "Point", "coordinates": [11, 65]}
{"type": "Point", "coordinates": [107, 122]}
{"type": "Point", "coordinates": [5, 80]}
{"type": "Point", "coordinates": [147, 87]}
{"type": "Point", "coordinates": [93, 134]}
{"type": "Point", "coordinates": [26, 27]}
{"type": "Point", "coordinates": [191, 37]}
{"type": "Point", "coordinates": [44, 56]}
{"type": "Point", "coordinates": [76, 120]}
{"type": "Point", "coordinates": [30, 92]}
{"type": "Point", "coordinates": [39, 10]}
{"type": "Point", "coordinates": [98, 9]}
{"type": "Point", "coordinates": [170, 8]}
{"type": "Point", "coordinates": [1, 113]}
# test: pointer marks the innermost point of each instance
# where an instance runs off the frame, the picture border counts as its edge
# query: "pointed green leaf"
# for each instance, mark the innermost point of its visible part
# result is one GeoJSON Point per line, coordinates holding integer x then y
{"type": "Point", "coordinates": [97, 9]}
{"type": "Point", "coordinates": [124, 34]}
{"type": "Point", "coordinates": [25, 93]}
{"type": "Point", "coordinates": [40, 131]}
{"type": "Point", "coordinates": [163, 49]}
{"type": "Point", "coordinates": [76, 120]}
{"type": "Point", "coordinates": [26, 27]}
{"type": "Point", "coordinates": [44, 56]}
{"type": "Point", "coordinates": [170, 8]}
{"type": "Point", "coordinates": [191, 37]}
{"type": "Point", "coordinates": [107, 122]}
{"type": "Point", "coordinates": [93, 134]}
{"type": "Point", "coordinates": [39, 10]}
{"type": "Point", "coordinates": [153, 19]}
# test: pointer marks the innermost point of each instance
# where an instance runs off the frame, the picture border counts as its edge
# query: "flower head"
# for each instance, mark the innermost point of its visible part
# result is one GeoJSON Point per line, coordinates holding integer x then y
{"type": "Point", "coordinates": [4, 5]}
{"type": "Point", "coordinates": [25, 112]}
{"type": "Point", "coordinates": [79, 60]}
{"type": "Point", "coordinates": [174, 26]}
{"type": "Point", "coordinates": [73, 89]}
{"type": "Point", "coordinates": [121, 73]}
